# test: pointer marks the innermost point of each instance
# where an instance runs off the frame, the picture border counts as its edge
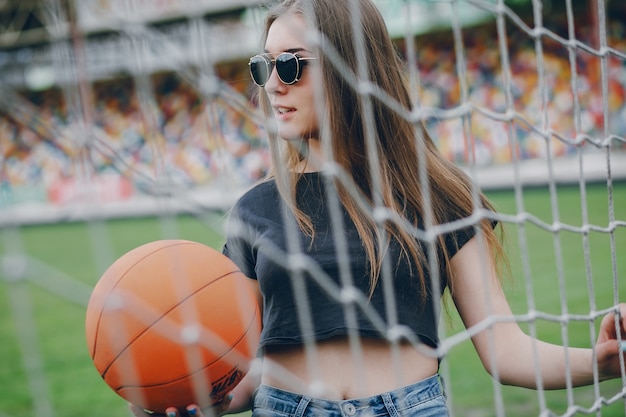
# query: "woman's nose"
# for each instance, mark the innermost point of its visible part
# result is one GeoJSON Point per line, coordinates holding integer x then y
{"type": "Point", "coordinates": [274, 85]}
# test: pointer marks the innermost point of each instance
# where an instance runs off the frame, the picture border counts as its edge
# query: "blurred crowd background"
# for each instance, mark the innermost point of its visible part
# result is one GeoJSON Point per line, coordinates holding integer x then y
{"type": "Point", "coordinates": [193, 140]}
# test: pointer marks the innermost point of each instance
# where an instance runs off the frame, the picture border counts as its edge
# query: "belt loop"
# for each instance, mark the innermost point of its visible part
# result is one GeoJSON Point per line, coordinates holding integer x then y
{"type": "Point", "coordinates": [391, 408]}
{"type": "Point", "coordinates": [442, 385]}
{"type": "Point", "coordinates": [302, 404]}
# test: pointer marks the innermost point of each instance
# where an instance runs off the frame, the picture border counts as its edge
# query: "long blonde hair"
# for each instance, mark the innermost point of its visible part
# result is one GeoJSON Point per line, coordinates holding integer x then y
{"type": "Point", "coordinates": [396, 138]}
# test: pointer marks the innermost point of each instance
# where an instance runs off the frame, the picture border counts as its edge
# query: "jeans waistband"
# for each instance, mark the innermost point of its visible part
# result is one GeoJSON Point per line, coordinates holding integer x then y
{"type": "Point", "coordinates": [400, 399]}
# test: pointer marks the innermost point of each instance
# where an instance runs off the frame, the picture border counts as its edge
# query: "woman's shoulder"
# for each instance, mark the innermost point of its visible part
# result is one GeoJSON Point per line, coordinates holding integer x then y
{"type": "Point", "coordinates": [261, 187]}
{"type": "Point", "coordinates": [262, 194]}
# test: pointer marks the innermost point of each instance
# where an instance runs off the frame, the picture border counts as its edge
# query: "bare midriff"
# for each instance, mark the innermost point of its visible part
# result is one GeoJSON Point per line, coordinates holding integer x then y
{"type": "Point", "coordinates": [334, 370]}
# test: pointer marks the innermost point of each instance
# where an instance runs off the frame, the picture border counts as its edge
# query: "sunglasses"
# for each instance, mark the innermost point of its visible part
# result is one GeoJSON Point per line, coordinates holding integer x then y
{"type": "Point", "coordinates": [288, 66]}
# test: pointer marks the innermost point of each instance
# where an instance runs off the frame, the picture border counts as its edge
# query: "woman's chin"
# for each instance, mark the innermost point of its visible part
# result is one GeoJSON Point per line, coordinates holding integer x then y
{"type": "Point", "coordinates": [291, 136]}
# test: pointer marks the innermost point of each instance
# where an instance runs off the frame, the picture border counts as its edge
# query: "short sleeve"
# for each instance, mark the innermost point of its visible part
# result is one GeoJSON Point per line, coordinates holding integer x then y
{"type": "Point", "coordinates": [455, 240]}
{"type": "Point", "coordinates": [238, 247]}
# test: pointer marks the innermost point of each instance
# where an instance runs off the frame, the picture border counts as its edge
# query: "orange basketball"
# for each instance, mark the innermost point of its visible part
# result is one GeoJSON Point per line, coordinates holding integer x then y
{"type": "Point", "coordinates": [172, 323]}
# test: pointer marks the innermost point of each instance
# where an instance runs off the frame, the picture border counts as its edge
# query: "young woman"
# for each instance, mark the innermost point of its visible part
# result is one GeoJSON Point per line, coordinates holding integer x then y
{"type": "Point", "coordinates": [339, 157]}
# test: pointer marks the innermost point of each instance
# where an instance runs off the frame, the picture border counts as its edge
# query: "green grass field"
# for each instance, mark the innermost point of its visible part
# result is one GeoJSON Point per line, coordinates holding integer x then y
{"type": "Point", "coordinates": [65, 261]}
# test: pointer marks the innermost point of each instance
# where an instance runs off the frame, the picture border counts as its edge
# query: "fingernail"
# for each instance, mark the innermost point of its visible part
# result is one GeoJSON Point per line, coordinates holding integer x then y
{"type": "Point", "coordinates": [622, 346]}
{"type": "Point", "coordinates": [171, 412]}
{"type": "Point", "coordinates": [192, 410]}
{"type": "Point", "coordinates": [229, 397]}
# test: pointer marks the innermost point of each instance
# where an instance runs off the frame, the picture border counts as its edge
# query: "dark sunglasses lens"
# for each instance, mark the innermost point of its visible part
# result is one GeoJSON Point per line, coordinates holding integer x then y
{"type": "Point", "coordinates": [287, 67]}
{"type": "Point", "coordinates": [259, 70]}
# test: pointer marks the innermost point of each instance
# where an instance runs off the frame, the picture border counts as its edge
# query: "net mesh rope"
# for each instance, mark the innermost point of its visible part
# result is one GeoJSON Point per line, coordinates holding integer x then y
{"type": "Point", "coordinates": [85, 138]}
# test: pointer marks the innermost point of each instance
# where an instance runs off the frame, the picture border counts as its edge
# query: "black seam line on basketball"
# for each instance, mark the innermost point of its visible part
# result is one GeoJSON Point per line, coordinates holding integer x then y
{"type": "Point", "coordinates": [252, 322]}
{"type": "Point", "coordinates": [95, 341]}
{"type": "Point", "coordinates": [163, 315]}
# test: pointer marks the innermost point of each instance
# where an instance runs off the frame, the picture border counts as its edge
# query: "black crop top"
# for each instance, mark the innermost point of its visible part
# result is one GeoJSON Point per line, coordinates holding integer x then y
{"type": "Point", "coordinates": [316, 310]}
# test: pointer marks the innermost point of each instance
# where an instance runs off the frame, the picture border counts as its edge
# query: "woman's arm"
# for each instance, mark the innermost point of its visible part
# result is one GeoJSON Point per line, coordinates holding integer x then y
{"type": "Point", "coordinates": [509, 353]}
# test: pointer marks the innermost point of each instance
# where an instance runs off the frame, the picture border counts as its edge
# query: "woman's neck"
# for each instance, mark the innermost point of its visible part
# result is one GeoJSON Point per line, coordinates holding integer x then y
{"type": "Point", "coordinates": [313, 160]}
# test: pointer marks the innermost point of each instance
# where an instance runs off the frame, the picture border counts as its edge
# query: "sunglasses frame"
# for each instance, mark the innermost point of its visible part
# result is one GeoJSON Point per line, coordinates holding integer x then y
{"type": "Point", "coordinates": [271, 63]}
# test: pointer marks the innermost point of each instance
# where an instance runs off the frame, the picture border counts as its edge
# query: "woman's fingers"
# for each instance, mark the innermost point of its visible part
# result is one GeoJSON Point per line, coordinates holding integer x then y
{"type": "Point", "coordinates": [194, 411]}
{"type": "Point", "coordinates": [137, 411]}
{"type": "Point", "coordinates": [191, 410]}
{"type": "Point", "coordinates": [171, 412]}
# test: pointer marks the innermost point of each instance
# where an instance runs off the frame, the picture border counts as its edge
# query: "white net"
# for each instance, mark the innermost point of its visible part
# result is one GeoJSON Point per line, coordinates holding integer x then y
{"type": "Point", "coordinates": [134, 122]}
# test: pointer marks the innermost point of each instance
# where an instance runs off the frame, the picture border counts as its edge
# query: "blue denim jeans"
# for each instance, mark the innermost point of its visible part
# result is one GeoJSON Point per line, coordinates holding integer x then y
{"type": "Point", "coordinates": [422, 399]}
